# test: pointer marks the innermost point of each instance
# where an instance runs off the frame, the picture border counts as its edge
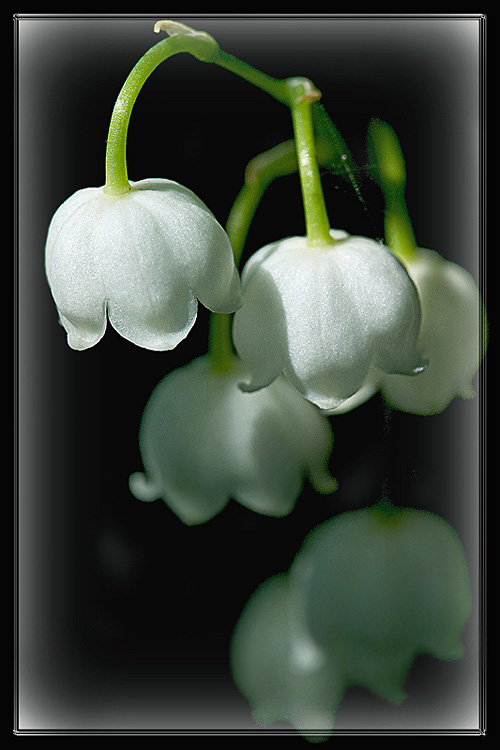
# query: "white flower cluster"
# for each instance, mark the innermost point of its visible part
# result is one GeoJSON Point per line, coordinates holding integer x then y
{"type": "Point", "coordinates": [315, 328]}
{"type": "Point", "coordinates": [319, 327]}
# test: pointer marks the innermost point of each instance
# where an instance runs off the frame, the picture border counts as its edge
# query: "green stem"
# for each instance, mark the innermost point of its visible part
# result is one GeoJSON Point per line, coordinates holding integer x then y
{"type": "Point", "coordinates": [297, 93]}
{"type": "Point", "coordinates": [398, 230]}
{"type": "Point", "coordinates": [303, 95]}
{"type": "Point", "coordinates": [259, 173]}
{"type": "Point", "coordinates": [391, 176]}
{"type": "Point", "coordinates": [181, 39]}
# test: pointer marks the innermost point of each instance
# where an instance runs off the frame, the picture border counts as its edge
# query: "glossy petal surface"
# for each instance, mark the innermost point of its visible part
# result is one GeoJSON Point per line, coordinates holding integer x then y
{"type": "Point", "coordinates": [142, 259]}
{"type": "Point", "coordinates": [324, 316]}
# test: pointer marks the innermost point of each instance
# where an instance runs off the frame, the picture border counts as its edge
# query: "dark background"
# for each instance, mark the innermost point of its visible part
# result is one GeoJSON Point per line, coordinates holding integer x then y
{"type": "Point", "coordinates": [125, 614]}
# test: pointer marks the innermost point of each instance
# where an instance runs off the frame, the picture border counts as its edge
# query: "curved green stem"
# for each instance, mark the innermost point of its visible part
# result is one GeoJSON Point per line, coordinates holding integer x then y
{"type": "Point", "coordinates": [181, 39]}
{"type": "Point", "coordinates": [297, 93]}
{"type": "Point", "coordinates": [391, 176]}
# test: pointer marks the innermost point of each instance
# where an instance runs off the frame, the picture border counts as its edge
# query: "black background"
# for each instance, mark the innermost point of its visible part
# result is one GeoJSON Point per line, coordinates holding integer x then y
{"type": "Point", "coordinates": [124, 613]}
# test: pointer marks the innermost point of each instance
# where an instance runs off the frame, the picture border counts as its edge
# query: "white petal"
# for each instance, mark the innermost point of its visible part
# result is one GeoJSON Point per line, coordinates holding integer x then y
{"type": "Point", "coordinates": [324, 316]}
{"type": "Point", "coordinates": [367, 390]}
{"type": "Point", "coordinates": [204, 441]}
{"type": "Point", "coordinates": [452, 320]}
{"type": "Point", "coordinates": [75, 281]}
{"type": "Point", "coordinates": [143, 488]}
{"type": "Point", "coordinates": [275, 439]}
{"type": "Point", "coordinates": [380, 588]}
{"type": "Point", "coordinates": [281, 672]}
{"type": "Point", "coordinates": [259, 332]}
{"type": "Point", "coordinates": [149, 301]}
{"type": "Point", "coordinates": [197, 241]}
{"type": "Point", "coordinates": [143, 257]}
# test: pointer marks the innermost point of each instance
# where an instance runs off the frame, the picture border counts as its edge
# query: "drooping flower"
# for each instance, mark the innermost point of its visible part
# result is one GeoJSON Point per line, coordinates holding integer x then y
{"type": "Point", "coordinates": [380, 586]}
{"type": "Point", "coordinates": [279, 669]}
{"type": "Point", "coordinates": [369, 591]}
{"type": "Point", "coordinates": [323, 316]}
{"type": "Point", "coordinates": [452, 337]}
{"type": "Point", "coordinates": [453, 329]}
{"type": "Point", "coordinates": [204, 441]}
{"type": "Point", "coordinates": [142, 258]}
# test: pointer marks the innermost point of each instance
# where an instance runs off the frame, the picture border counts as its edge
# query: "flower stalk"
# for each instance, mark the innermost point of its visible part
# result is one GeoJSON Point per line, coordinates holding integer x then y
{"type": "Point", "coordinates": [302, 95]}
{"type": "Point", "coordinates": [259, 173]}
{"type": "Point", "coordinates": [181, 38]}
{"type": "Point", "coordinates": [391, 176]}
{"type": "Point", "coordinates": [299, 94]}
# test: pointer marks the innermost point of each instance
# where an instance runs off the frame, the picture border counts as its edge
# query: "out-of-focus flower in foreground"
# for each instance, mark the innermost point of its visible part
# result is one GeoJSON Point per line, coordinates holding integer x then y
{"type": "Point", "coordinates": [368, 592]}
{"type": "Point", "coordinates": [142, 258]}
{"type": "Point", "coordinates": [204, 441]}
{"type": "Point", "coordinates": [323, 316]}
{"type": "Point", "coordinates": [283, 674]}
{"type": "Point", "coordinates": [379, 586]}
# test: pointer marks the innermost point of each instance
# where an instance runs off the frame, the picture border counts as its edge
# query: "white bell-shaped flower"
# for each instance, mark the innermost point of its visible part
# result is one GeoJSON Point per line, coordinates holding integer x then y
{"type": "Point", "coordinates": [143, 258]}
{"type": "Point", "coordinates": [380, 586]}
{"type": "Point", "coordinates": [368, 592]}
{"type": "Point", "coordinates": [204, 441]}
{"type": "Point", "coordinates": [452, 337]}
{"type": "Point", "coordinates": [279, 669]}
{"type": "Point", "coordinates": [324, 315]}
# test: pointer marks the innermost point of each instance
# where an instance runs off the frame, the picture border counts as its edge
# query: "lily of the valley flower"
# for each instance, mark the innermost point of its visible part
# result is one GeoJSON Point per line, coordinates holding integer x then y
{"type": "Point", "coordinates": [368, 592]}
{"type": "Point", "coordinates": [323, 316]}
{"type": "Point", "coordinates": [142, 258]}
{"type": "Point", "coordinates": [453, 329]}
{"type": "Point", "coordinates": [204, 441]}
{"type": "Point", "coordinates": [452, 337]}
{"type": "Point", "coordinates": [380, 586]}
{"type": "Point", "coordinates": [279, 669]}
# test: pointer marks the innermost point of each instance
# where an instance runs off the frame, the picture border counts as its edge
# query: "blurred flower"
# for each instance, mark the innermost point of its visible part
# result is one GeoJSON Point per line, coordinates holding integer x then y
{"type": "Point", "coordinates": [368, 592]}
{"type": "Point", "coordinates": [204, 441]}
{"type": "Point", "coordinates": [452, 337]}
{"type": "Point", "coordinates": [142, 258]}
{"type": "Point", "coordinates": [283, 674]}
{"type": "Point", "coordinates": [379, 586]}
{"type": "Point", "coordinates": [323, 316]}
